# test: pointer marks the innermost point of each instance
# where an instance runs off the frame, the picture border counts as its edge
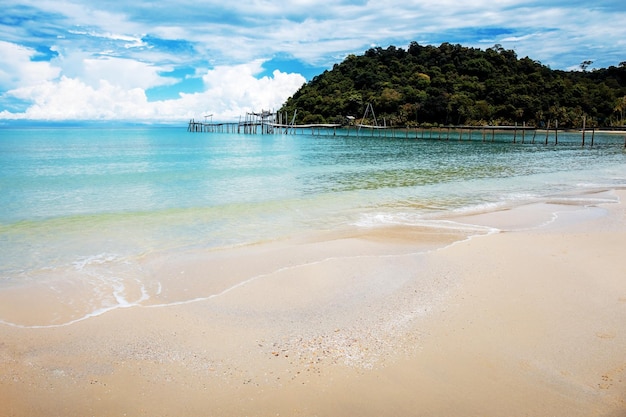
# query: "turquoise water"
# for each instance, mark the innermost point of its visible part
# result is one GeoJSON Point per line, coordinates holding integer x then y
{"type": "Point", "coordinates": [94, 201]}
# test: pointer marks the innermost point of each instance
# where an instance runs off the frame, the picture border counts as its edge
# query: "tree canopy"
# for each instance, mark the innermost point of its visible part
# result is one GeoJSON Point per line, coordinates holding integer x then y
{"type": "Point", "coordinates": [453, 84]}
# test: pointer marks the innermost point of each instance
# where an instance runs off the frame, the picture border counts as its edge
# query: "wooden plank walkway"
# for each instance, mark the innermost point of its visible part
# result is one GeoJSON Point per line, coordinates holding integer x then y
{"type": "Point", "coordinates": [256, 127]}
{"type": "Point", "coordinates": [521, 134]}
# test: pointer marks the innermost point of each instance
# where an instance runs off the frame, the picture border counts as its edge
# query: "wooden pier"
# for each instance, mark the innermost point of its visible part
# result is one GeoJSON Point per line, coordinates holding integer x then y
{"type": "Point", "coordinates": [266, 122]}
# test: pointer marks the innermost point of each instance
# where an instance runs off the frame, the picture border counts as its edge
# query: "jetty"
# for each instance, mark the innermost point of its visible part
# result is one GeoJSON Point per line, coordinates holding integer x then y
{"type": "Point", "coordinates": [264, 122]}
{"type": "Point", "coordinates": [268, 122]}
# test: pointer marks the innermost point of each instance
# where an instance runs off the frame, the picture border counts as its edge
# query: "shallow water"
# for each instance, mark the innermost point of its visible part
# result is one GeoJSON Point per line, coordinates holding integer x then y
{"type": "Point", "coordinates": [84, 207]}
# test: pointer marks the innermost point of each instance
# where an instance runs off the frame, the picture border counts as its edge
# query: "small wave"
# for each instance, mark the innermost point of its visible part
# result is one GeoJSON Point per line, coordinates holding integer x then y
{"type": "Point", "coordinates": [98, 259]}
{"type": "Point", "coordinates": [505, 201]}
{"type": "Point", "coordinates": [92, 286]}
{"type": "Point", "coordinates": [95, 313]}
{"type": "Point", "coordinates": [480, 208]}
{"type": "Point", "coordinates": [581, 200]}
{"type": "Point", "coordinates": [121, 303]}
{"type": "Point", "coordinates": [416, 220]}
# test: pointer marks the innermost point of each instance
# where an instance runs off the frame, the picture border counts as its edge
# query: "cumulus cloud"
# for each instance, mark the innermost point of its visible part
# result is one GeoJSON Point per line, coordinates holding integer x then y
{"type": "Point", "coordinates": [17, 67]}
{"type": "Point", "coordinates": [125, 73]}
{"type": "Point", "coordinates": [230, 92]}
{"type": "Point", "coordinates": [236, 88]}
{"type": "Point", "coordinates": [70, 98]}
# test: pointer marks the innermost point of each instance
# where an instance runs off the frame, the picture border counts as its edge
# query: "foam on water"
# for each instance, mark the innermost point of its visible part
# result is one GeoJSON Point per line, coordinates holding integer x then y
{"type": "Point", "coordinates": [372, 220]}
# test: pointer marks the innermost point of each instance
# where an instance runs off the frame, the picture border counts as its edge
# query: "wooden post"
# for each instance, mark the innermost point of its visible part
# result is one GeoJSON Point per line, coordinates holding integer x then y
{"type": "Point", "coordinates": [515, 134]}
{"type": "Point", "coordinates": [547, 131]}
{"type": "Point", "coordinates": [584, 123]}
{"type": "Point", "coordinates": [523, 132]}
{"type": "Point", "coordinates": [593, 133]}
{"type": "Point", "coordinates": [556, 132]}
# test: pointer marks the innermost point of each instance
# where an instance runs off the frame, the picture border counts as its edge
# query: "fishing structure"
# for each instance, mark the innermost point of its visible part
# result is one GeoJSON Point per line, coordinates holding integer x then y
{"type": "Point", "coordinates": [268, 122]}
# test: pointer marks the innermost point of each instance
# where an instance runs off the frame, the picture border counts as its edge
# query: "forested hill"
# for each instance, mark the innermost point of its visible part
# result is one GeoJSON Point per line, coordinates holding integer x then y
{"type": "Point", "coordinates": [452, 84]}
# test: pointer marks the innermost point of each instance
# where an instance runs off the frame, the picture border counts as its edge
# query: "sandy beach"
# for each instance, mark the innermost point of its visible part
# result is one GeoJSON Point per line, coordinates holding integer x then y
{"type": "Point", "coordinates": [525, 318]}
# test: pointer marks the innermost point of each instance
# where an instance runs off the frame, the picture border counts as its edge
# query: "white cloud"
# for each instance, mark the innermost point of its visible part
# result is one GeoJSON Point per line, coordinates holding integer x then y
{"type": "Point", "coordinates": [231, 91]}
{"type": "Point", "coordinates": [70, 98]}
{"type": "Point", "coordinates": [17, 67]}
{"type": "Point", "coordinates": [86, 14]}
{"type": "Point", "coordinates": [131, 41]}
{"type": "Point", "coordinates": [125, 73]}
{"type": "Point", "coordinates": [517, 38]}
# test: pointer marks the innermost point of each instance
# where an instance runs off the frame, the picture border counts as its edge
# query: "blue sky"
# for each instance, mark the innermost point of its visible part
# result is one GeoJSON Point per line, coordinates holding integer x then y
{"type": "Point", "coordinates": [170, 61]}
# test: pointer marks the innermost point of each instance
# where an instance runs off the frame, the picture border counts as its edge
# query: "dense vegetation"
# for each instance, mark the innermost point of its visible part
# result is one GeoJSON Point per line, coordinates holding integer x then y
{"type": "Point", "coordinates": [452, 84]}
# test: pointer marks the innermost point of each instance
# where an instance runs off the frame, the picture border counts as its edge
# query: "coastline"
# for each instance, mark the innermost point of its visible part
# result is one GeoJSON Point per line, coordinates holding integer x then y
{"type": "Point", "coordinates": [527, 321]}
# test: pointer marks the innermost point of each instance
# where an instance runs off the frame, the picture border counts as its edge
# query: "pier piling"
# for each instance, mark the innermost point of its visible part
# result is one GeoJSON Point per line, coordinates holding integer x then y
{"type": "Point", "coordinates": [277, 123]}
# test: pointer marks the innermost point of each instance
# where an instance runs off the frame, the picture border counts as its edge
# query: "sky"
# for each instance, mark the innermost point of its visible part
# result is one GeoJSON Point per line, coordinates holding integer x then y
{"type": "Point", "coordinates": [171, 61]}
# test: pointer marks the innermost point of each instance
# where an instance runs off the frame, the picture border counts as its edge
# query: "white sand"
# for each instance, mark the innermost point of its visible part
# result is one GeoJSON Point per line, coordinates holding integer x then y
{"type": "Point", "coordinates": [527, 322]}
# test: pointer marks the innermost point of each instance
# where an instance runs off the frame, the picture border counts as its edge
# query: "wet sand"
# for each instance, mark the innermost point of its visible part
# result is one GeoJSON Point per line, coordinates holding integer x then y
{"type": "Point", "coordinates": [399, 321]}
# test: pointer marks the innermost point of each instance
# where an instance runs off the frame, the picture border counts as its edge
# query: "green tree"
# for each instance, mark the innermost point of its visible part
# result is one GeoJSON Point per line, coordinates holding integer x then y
{"type": "Point", "coordinates": [620, 108]}
{"type": "Point", "coordinates": [455, 84]}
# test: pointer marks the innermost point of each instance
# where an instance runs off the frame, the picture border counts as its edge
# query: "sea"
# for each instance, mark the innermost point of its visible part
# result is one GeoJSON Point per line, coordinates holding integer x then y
{"type": "Point", "coordinates": [88, 203]}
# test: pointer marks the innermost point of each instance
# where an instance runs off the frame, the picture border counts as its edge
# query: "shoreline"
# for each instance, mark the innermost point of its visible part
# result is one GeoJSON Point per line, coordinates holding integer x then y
{"type": "Point", "coordinates": [161, 271]}
{"type": "Point", "coordinates": [391, 321]}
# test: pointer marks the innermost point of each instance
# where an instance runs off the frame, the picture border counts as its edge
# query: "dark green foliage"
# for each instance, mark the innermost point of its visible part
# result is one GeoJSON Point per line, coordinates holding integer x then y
{"type": "Point", "coordinates": [452, 84]}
